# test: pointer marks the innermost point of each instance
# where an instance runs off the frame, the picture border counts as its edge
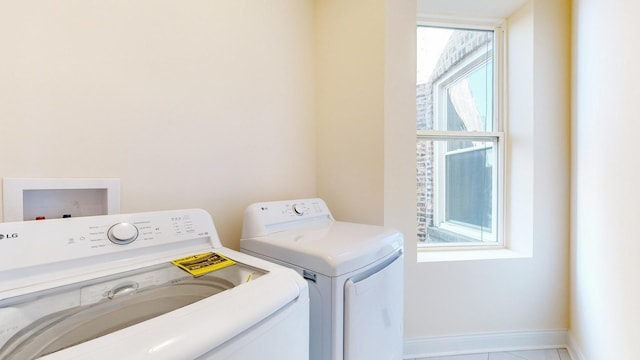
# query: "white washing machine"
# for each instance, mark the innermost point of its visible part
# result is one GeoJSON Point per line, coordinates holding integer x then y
{"type": "Point", "coordinates": [354, 271]}
{"type": "Point", "coordinates": [104, 287]}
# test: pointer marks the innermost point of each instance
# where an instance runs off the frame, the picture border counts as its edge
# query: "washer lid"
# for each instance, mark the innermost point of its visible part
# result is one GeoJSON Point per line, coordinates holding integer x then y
{"type": "Point", "coordinates": [332, 249]}
{"type": "Point", "coordinates": [70, 316]}
{"type": "Point", "coordinates": [74, 326]}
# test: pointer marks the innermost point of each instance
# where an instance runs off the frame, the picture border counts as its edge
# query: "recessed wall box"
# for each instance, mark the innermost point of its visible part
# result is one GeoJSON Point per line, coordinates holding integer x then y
{"type": "Point", "coordinates": [31, 199]}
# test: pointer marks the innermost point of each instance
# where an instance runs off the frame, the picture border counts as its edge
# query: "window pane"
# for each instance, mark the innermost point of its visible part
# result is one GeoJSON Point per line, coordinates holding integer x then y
{"type": "Point", "coordinates": [468, 188]}
{"type": "Point", "coordinates": [457, 191]}
{"type": "Point", "coordinates": [455, 79]}
{"type": "Point", "coordinates": [469, 101]}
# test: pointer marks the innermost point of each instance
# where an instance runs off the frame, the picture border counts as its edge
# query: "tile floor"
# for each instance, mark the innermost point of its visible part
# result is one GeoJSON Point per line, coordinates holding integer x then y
{"type": "Point", "coordinates": [552, 354]}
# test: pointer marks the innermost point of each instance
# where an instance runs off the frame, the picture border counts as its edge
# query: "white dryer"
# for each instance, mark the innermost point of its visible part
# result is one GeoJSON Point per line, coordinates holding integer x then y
{"type": "Point", "coordinates": [104, 287]}
{"type": "Point", "coordinates": [354, 271]}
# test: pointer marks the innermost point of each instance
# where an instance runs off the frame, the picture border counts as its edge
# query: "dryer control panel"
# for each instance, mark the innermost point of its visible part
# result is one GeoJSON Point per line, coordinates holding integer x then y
{"type": "Point", "coordinates": [269, 217]}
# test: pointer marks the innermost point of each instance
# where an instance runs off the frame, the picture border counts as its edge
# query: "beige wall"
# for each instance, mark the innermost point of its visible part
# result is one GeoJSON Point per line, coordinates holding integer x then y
{"type": "Point", "coordinates": [605, 291]}
{"type": "Point", "coordinates": [191, 104]}
{"type": "Point", "coordinates": [350, 107]}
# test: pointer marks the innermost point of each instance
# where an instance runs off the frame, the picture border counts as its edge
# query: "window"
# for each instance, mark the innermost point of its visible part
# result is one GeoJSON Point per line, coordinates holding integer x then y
{"type": "Point", "coordinates": [459, 137]}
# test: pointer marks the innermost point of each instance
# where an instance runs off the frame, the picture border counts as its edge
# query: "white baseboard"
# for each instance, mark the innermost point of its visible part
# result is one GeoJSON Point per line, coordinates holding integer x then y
{"type": "Point", "coordinates": [490, 342]}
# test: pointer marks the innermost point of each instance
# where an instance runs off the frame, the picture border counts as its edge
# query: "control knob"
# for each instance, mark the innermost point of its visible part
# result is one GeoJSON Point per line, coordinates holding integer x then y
{"type": "Point", "coordinates": [122, 233]}
{"type": "Point", "coordinates": [298, 209]}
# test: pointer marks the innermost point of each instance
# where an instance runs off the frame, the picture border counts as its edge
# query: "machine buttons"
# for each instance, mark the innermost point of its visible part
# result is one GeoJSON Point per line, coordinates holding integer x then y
{"type": "Point", "coordinates": [122, 233]}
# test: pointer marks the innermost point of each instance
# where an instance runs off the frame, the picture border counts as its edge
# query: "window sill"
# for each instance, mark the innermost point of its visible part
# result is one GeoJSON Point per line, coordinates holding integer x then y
{"type": "Point", "coordinates": [468, 255]}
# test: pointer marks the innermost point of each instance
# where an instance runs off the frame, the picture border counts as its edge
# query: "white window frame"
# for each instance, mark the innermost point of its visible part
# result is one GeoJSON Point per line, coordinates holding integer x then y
{"type": "Point", "coordinates": [474, 60]}
{"type": "Point", "coordinates": [497, 137]}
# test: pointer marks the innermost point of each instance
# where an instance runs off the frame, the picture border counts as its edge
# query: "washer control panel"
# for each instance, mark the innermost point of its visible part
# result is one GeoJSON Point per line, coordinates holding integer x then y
{"type": "Point", "coordinates": [31, 243]}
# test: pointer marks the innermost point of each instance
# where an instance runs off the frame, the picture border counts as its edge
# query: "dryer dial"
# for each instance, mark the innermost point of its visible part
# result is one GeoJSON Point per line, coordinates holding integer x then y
{"type": "Point", "coordinates": [298, 209]}
{"type": "Point", "coordinates": [122, 233]}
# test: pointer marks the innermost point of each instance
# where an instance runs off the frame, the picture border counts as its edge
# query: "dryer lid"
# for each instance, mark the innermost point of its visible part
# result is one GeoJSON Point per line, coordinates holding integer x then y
{"type": "Point", "coordinates": [331, 249]}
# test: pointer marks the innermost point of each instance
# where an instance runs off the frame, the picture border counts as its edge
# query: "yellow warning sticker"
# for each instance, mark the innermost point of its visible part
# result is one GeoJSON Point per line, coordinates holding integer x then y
{"type": "Point", "coordinates": [201, 264]}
